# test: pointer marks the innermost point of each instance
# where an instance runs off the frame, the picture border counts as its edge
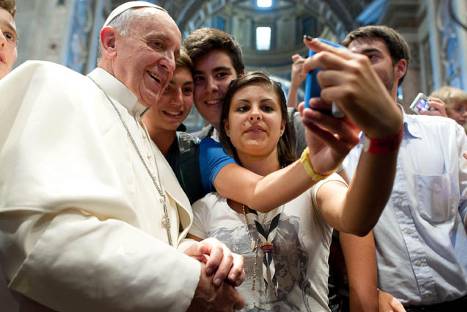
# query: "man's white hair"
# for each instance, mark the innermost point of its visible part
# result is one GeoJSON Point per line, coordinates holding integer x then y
{"type": "Point", "coordinates": [122, 22]}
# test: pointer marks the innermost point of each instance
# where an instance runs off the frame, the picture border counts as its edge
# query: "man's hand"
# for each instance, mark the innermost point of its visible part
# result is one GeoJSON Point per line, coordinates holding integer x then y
{"type": "Point", "coordinates": [349, 80]}
{"type": "Point", "coordinates": [209, 297]}
{"type": "Point", "coordinates": [219, 261]}
{"type": "Point", "coordinates": [387, 303]}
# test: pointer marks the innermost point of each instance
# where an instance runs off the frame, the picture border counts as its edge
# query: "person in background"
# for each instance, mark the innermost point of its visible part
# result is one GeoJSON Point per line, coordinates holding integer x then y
{"type": "Point", "coordinates": [297, 76]}
{"type": "Point", "coordinates": [455, 101]}
{"type": "Point", "coordinates": [421, 239]}
{"type": "Point", "coordinates": [8, 36]}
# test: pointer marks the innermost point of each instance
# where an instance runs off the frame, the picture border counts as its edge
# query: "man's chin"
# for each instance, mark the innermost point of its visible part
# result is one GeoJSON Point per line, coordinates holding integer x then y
{"type": "Point", "coordinates": [149, 99]}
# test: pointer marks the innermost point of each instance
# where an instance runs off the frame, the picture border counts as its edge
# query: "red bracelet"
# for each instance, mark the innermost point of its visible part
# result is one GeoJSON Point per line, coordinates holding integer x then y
{"type": "Point", "coordinates": [383, 146]}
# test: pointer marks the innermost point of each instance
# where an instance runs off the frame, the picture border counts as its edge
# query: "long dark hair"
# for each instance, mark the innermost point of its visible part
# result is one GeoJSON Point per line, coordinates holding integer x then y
{"type": "Point", "coordinates": [286, 144]}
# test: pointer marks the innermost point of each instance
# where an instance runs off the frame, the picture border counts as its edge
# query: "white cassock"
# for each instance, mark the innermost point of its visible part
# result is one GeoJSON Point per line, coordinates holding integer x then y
{"type": "Point", "coordinates": [80, 218]}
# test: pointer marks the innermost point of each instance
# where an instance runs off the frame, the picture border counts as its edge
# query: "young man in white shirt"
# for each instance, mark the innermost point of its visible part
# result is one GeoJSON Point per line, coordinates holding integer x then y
{"type": "Point", "coordinates": [420, 238]}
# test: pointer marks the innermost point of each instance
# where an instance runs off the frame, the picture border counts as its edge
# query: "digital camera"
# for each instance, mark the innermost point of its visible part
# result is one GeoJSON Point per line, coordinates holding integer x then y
{"type": "Point", "coordinates": [420, 104]}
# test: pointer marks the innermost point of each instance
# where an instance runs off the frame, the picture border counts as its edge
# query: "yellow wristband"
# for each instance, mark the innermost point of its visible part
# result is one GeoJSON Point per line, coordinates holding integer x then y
{"type": "Point", "coordinates": [305, 160]}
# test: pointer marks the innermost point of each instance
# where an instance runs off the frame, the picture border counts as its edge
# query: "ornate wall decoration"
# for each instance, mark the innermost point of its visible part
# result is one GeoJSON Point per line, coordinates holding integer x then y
{"type": "Point", "coordinates": [80, 39]}
{"type": "Point", "coordinates": [450, 49]}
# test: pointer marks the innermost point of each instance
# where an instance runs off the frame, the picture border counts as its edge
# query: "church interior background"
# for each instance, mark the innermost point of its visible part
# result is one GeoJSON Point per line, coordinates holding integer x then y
{"type": "Point", "coordinates": [269, 31]}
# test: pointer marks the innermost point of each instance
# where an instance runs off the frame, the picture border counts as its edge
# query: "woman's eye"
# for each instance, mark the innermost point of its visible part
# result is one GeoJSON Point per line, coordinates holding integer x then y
{"type": "Point", "coordinates": [242, 109]}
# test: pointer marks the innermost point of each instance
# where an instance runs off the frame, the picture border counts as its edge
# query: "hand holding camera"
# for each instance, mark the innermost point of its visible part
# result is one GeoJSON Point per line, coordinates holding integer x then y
{"type": "Point", "coordinates": [420, 104]}
{"type": "Point", "coordinates": [424, 105]}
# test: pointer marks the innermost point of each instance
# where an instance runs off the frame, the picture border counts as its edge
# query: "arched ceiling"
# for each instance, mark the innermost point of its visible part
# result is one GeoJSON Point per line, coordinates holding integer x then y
{"type": "Point", "coordinates": [288, 19]}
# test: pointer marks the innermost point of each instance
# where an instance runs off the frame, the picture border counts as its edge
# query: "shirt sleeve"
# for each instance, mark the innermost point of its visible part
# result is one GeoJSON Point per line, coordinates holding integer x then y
{"type": "Point", "coordinates": [212, 159]}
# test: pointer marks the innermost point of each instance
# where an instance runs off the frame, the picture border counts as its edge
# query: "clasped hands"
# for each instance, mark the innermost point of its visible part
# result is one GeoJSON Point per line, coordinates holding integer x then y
{"type": "Point", "coordinates": [219, 261]}
{"type": "Point", "coordinates": [221, 271]}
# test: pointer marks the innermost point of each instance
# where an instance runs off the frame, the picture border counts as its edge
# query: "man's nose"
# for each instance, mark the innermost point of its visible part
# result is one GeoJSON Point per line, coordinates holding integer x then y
{"type": "Point", "coordinates": [212, 84]}
{"type": "Point", "coordinates": [178, 98]}
{"type": "Point", "coordinates": [168, 61]}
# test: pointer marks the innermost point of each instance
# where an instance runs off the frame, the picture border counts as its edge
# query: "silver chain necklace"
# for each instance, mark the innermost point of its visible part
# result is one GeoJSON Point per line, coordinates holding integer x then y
{"type": "Point", "coordinates": [165, 219]}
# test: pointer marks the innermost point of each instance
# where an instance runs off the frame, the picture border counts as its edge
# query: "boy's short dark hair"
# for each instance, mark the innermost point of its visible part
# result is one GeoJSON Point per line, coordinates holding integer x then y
{"type": "Point", "coordinates": [9, 6]}
{"type": "Point", "coordinates": [184, 60]}
{"type": "Point", "coordinates": [204, 40]}
{"type": "Point", "coordinates": [396, 44]}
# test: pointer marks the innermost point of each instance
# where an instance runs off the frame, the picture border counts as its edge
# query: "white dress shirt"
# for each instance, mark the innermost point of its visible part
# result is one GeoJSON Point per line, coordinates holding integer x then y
{"type": "Point", "coordinates": [421, 236]}
{"type": "Point", "coordinates": [80, 218]}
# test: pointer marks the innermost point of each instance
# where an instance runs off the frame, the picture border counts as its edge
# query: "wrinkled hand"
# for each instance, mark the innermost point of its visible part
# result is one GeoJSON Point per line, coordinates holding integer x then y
{"type": "Point", "coordinates": [388, 303]}
{"type": "Point", "coordinates": [219, 261]}
{"type": "Point", "coordinates": [209, 297]}
{"type": "Point", "coordinates": [349, 80]}
{"type": "Point", "coordinates": [437, 108]}
{"type": "Point", "coordinates": [297, 74]}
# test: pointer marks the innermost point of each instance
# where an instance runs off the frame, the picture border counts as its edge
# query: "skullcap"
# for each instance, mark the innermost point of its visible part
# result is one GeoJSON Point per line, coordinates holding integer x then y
{"type": "Point", "coordinates": [130, 5]}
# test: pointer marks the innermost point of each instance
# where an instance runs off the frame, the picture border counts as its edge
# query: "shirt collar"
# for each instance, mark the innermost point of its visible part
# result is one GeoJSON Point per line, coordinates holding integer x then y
{"type": "Point", "coordinates": [116, 90]}
{"type": "Point", "coordinates": [411, 126]}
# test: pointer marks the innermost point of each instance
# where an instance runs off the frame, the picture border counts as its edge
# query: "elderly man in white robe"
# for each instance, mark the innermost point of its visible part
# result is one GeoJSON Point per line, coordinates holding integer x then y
{"type": "Point", "coordinates": [91, 216]}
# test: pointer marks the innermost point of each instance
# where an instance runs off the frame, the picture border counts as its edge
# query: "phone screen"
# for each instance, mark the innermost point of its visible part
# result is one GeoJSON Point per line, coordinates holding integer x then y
{"type": "Point", "coordinates": [423, 104]}
{"type": "Point", "coordinates": [420, 104]}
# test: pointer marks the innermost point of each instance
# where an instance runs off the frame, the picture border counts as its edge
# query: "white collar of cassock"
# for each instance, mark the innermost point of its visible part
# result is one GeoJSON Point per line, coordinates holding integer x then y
{"type": "Point", "coordinates": [117, 91]}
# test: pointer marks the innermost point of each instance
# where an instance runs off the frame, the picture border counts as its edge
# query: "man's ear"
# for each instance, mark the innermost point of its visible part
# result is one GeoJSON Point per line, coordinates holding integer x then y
{"type": "Point", "coordinates": [400, 69]}
{"type": "Point", "coordinates": [108, 36]}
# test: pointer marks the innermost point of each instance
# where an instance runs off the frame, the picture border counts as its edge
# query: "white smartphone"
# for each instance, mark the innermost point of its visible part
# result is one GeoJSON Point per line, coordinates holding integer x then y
{"type": "Point", "coordinates": [420, 104]}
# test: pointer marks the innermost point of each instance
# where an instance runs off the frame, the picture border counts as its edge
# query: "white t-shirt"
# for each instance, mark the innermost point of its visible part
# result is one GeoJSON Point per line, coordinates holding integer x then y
{"type": "Point", "coordinates": [300, 254]}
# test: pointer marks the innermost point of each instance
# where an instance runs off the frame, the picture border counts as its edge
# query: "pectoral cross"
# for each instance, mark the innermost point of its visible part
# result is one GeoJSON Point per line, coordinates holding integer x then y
{"type": "Point", "coordinates": [166, 220]}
